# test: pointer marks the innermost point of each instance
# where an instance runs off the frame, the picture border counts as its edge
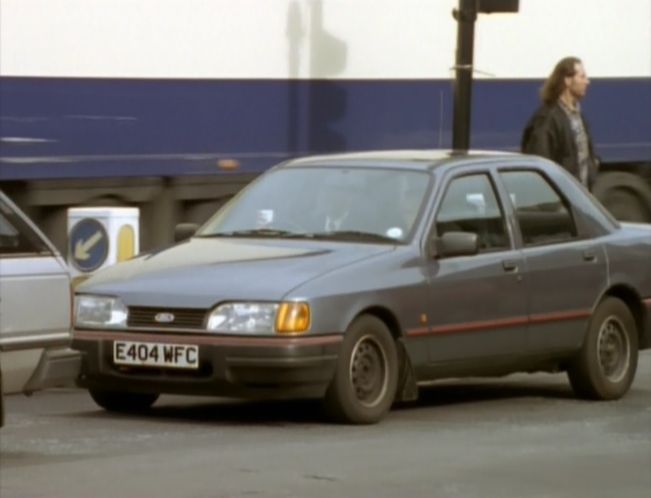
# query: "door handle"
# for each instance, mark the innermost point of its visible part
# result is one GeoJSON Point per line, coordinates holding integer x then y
{"type": "Point", "coordinates": [510, 265]}
{"type": "Point", "coordinates": [589, 255]}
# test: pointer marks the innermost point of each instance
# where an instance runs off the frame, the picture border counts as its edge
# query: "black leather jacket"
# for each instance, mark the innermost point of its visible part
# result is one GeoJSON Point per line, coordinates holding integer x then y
{"type": "Point", "coordinates": [549, 134]}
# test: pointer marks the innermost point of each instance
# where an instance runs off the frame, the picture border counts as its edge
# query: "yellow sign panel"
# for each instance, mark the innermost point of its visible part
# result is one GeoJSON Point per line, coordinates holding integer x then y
{"type": "Point", "coordinates": [126, 243]}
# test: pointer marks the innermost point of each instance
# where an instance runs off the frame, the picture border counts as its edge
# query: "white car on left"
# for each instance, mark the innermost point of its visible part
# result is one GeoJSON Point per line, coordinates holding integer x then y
{"type": "Point", "coordinates": [35, 308]}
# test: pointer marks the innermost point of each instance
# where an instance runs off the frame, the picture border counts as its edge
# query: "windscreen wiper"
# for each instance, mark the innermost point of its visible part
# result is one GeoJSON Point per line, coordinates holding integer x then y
{"type": "Point", "coordinates": [346, 235]}
{"type": "Point", "coordinates": [253, 232]}
{"type": "Point", "coordinates": [352, 235]}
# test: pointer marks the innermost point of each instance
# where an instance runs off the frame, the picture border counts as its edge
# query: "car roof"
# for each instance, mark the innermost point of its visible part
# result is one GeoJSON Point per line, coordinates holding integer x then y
{"type": "Point", "coordinates": [408, 159]}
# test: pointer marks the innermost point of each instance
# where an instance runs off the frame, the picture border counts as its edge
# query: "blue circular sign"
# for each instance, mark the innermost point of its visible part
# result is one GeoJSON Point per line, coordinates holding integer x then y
{"type": "Point", "coordinates": [89, 244]}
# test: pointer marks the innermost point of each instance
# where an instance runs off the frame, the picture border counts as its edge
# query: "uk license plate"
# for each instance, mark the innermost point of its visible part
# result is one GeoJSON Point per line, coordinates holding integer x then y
{"type": "Point", "coordinates": [149, 354]}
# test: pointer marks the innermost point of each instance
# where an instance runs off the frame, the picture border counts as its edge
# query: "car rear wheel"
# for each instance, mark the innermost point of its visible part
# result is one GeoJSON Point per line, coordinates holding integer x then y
{"type": "Point", "coordinates": [366, 378]}
{"type": "Point", "coordinates": [625, 195]}
{"type": "Point", "coordinates": [116, 401]}
{"type": "Point", "coordinates": [605, 367]}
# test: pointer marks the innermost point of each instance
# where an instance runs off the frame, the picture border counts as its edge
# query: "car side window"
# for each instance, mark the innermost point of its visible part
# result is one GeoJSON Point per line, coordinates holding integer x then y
{"type": "Point", "coordinates": [470, 205]}
{"type": "Point", "coordinates": [543, 215]}
{"type": "Point", "coordinates": [15, 236]}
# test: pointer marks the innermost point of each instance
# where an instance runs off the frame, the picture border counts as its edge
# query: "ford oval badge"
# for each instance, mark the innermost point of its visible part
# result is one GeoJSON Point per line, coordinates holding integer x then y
{"type": "Point", "coordinates": [164, 317]}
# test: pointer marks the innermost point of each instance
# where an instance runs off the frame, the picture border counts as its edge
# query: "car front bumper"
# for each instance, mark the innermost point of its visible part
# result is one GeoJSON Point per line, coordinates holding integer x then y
{"type": "Point", "coordinates": [233, 366]}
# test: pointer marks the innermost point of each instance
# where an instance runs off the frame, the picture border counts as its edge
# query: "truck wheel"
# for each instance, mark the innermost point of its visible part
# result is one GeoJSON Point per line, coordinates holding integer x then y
{"type": "Point", "coordinates": [125, 402]}
{"type": "Point", "coordinates": [625, 195]}
{"type": "Point", "coordinates": [366, 377]}
{"type": "Point", "coordinates": [605, 366]}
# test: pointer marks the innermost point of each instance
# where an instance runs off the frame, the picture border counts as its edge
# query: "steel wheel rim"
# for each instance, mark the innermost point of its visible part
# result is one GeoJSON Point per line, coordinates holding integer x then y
{"type": "Point", "coordinates": [368, 371]}
{"type": "Point", "coordinates": [613, 349]}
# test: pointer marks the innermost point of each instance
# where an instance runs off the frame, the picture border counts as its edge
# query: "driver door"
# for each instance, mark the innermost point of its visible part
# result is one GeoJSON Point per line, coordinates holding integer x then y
{"type": "Point", "coordinates": [477, 303]}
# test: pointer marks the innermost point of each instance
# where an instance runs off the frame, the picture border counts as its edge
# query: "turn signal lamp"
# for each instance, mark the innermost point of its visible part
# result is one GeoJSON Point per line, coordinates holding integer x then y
{"type": "Point", "coordinates": [293, 318]}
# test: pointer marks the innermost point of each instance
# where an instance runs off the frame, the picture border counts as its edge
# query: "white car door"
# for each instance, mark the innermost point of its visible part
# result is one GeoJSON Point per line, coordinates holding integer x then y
{"type": "Point", "coordinates": [35, 297]}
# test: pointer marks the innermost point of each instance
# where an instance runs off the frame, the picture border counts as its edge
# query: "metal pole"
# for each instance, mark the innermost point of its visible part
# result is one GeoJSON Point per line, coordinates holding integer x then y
{"type": "Point", "coordinates": [465, 15]}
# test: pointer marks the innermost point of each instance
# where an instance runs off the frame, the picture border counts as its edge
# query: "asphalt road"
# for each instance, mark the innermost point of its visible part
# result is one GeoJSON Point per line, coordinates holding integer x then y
{"type": "Point", "coordinates": [519, 436]}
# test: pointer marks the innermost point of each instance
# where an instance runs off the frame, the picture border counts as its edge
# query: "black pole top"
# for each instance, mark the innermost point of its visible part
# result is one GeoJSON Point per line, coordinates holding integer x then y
{"type": "Point", "coordinates": [466, 15]}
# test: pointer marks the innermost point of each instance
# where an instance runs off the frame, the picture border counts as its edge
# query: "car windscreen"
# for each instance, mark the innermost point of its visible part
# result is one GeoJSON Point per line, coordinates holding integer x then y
{"type": "Point", "coordinates": [373, 204]}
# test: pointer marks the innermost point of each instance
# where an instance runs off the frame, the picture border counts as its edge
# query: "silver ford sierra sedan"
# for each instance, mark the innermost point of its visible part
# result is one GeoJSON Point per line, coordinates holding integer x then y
{"type": "Point", "coordinates": [356, 278]}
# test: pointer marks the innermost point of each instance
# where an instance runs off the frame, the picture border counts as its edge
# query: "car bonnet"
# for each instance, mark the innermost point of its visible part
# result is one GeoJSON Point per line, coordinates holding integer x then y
{"type": "Point", "coordinates": [202, 272]}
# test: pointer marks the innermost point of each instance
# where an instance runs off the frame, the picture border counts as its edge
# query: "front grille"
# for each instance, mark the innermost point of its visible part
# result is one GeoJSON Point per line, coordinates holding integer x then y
{"type": "Point", "coordinates": [184, 318]}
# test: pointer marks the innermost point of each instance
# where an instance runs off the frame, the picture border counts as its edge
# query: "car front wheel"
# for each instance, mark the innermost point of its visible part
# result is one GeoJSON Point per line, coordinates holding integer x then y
{"type": "Point", "coordinates": [605, 367]}
{"type": "Point", "coordinates": [116, 401]}
{"type": "Point", "coordinates": [366, 378]}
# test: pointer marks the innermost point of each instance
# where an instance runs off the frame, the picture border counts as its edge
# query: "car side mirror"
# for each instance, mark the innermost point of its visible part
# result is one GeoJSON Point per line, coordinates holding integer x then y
{"type": "Point", "coordinates": [184, 231]}
{"type": "Point", "coordinates": [456, 244]}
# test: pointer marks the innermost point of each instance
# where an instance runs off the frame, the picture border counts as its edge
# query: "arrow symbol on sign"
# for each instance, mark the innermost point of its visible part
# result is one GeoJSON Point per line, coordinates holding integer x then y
{"type": "Point", "coordinates": [83, 246]}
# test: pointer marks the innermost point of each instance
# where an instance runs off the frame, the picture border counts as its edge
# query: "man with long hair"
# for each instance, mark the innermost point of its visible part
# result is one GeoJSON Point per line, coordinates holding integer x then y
{"type": "Point", "coordinates": [557, 130]}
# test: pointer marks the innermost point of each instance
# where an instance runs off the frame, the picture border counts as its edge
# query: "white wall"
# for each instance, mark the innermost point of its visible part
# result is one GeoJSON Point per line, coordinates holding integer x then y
{"type": "Point", "coordinates": [288, 38]}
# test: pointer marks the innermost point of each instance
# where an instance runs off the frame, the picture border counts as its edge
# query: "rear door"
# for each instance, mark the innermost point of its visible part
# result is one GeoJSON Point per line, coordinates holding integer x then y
{"type": "Point", "coordinates": [566, 272]}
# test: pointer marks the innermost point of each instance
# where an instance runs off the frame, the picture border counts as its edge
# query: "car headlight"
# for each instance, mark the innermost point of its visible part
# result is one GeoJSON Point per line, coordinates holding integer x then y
{"type": "Point", "coordinates": [260, 318]}
{"type": "Point", "coordinates": [100, 311]}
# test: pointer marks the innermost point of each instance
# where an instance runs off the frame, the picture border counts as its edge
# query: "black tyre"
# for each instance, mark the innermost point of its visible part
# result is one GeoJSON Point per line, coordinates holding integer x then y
{"type": "Point", "coordinates": [605, 367]}
{"type": "Point", "coordinates": [366, 378]}
{"type": "Point", "coordinates": [625, 195]}
{"type": "Point", "coordinates": [125, 402]}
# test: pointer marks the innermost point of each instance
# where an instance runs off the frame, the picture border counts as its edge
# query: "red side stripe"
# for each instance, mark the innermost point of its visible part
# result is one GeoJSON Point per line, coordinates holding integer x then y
{"type": "Point", "coordinates": [493, 324]}
{"type": "Point", "coordinates": [483, 325]}
{"type": "Point", "coordinates": [468, 326]}
{"type": "Point", "coordinates": [560, 316]}
{"type": "Point", "coordinates": [417, 332]}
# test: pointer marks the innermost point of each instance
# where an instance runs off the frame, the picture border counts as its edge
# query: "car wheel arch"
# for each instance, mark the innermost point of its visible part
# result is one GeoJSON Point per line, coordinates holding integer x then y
{"type": "Point", "coordinates": [604, 368]}
{"type": "Point", "coordinates": [365, 382]}
{"type": "Point", "coordinates": [630, 297]}
{"type": "Point", "coordinates": [386, 315]}
{"type": "Point", "coordinates": [407, 382]}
